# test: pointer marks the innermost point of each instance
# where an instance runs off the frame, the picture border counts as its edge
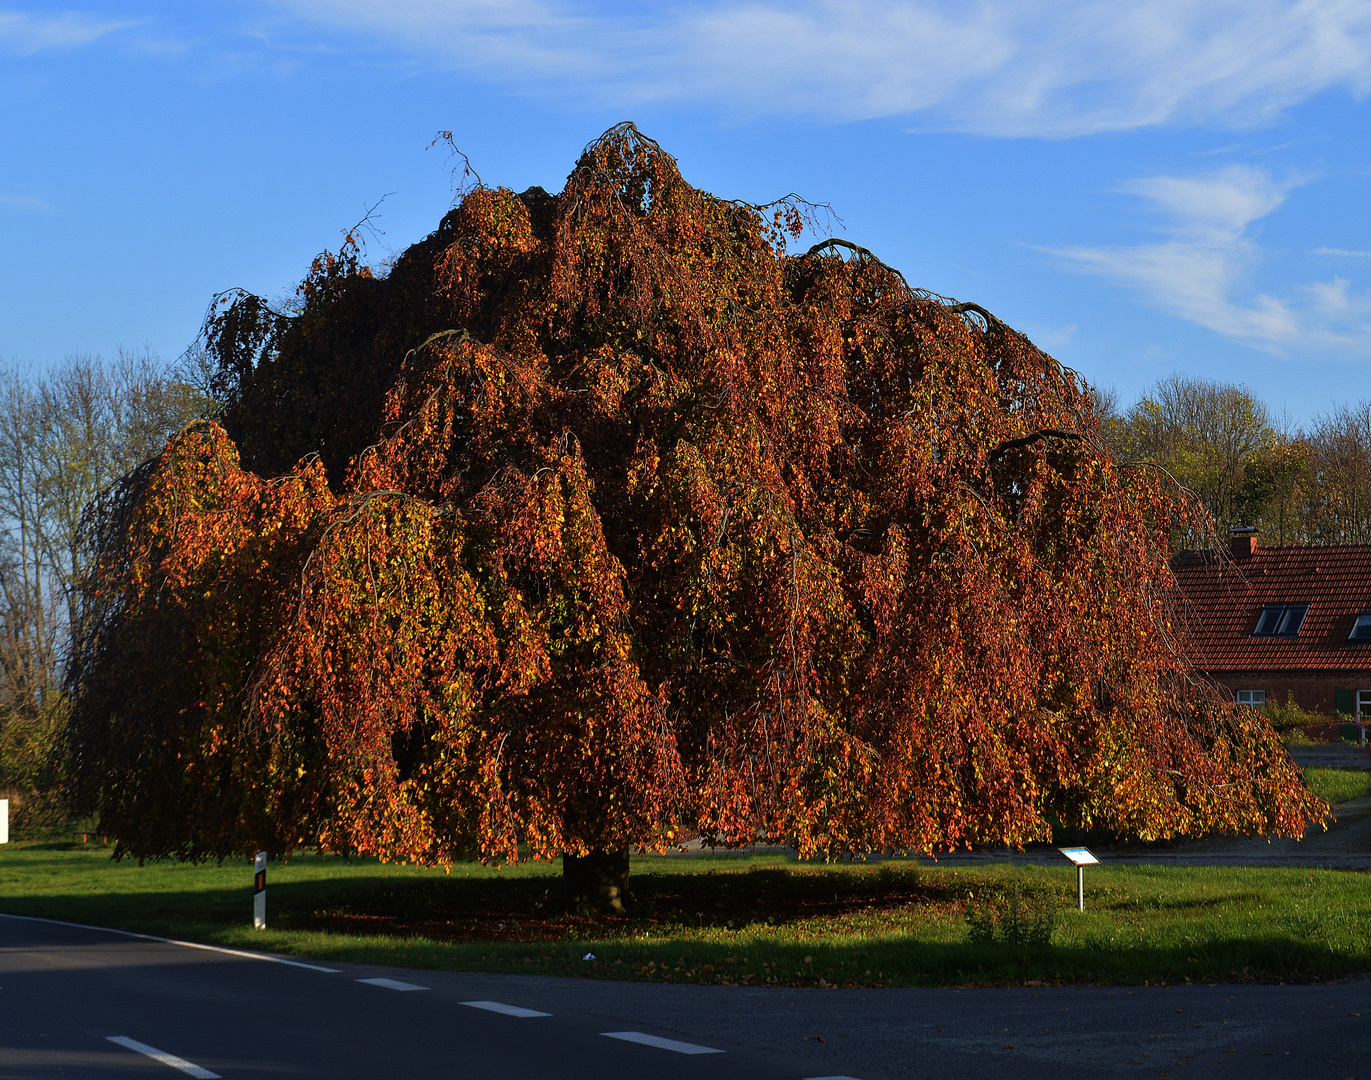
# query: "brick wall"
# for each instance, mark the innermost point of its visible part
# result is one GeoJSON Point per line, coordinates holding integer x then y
{"type": "Point", "coordinates": [1314, 692]}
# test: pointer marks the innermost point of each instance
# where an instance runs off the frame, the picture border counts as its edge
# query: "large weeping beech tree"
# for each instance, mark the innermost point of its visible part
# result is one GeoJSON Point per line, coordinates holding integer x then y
{"type": "Point", "coordinates": [601, 517]}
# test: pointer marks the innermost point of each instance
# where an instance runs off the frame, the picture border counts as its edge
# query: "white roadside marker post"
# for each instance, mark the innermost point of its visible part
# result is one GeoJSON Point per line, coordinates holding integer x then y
{"type": "Point", "coordinates": [4, 821]}
{"type": "Point", "coordinates": [259, 892]}
{"type": "Point", "coordinates": [1082, 858]}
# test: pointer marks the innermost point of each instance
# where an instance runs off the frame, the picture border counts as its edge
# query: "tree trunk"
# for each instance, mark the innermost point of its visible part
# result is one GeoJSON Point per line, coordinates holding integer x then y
{"type": "Point", "coordinates": [597, 880]}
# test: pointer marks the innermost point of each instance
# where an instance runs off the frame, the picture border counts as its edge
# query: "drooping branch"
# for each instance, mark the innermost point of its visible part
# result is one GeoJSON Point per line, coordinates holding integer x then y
{"type": "Point", "coordinates": [991, 323]}
{"type": "Point", "coordinates": [955, 307]}
{"type": "Point", "coordinates": [834, 242]}
{"type": "Point", "coordinates": [1028, 440]}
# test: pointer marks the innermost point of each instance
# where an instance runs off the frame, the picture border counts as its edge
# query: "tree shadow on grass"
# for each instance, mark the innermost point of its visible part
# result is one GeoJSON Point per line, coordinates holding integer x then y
{"type": "Point", "coordinates": [517, 908]}
{"type": "Point", "coordinates": [532, 909]}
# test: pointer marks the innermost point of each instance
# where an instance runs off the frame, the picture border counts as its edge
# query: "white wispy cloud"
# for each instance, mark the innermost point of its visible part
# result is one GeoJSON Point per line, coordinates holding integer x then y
{"type": "Point", "coordinates": [25, 34]}
{"type": "Point", "coordinates": [1200, 273]}
{"type": "Point", "coordinates": [1003, 67]}
{"type": "Point", "coordinates": [1217, 207]}
{"type": "Point", "coordinates": [550, 41]}
{"type": "Point", "coordinates": [1342, 253]}
{"type": "Point", "coordinates": [1335, 300]}
{"type": "Point", "coordinates": [27, 203]}
{"type": "Point", "coordinates": [1048, 337]}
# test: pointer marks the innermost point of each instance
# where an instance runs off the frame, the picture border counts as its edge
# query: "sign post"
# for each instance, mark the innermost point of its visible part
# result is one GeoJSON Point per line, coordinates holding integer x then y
{"type": "Point", "coordinates": [259, 892]}
{"type": "Point", "coordinates": [1082, 858]}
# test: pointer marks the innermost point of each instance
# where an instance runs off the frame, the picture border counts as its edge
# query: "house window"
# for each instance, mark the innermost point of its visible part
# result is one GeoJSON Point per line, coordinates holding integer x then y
{"type": "Point", "coordinates": [1251, 697]}
{"type": "Point", "coordinates": [1361, 629]}
{"type": "Point", "coordinates": [1364, 702]}
{"type": "Point", "coordinates": [1280, 620]}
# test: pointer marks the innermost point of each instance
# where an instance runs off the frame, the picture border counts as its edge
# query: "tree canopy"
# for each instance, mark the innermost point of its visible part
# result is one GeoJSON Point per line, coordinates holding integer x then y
{"type": "Point", "coordinates": [1310, 486]}
{"type": "Point", "coordinates": [601, 516]}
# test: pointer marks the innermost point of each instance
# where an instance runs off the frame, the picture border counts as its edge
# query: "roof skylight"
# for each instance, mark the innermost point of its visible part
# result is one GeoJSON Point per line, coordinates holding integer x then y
{"type": "Point", "coordinates": [1281, 620]}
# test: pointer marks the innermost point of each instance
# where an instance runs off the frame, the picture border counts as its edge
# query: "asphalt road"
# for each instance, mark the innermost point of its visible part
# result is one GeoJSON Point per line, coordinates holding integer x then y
{"type": "Point", "coordinates": [79, 1002]}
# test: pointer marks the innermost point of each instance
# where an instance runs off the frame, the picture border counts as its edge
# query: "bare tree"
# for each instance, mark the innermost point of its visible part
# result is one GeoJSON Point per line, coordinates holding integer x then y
{"type": "Point", "coordinates": [1339, 506]}
{"type": "Point", "coordinates": [65, 435]}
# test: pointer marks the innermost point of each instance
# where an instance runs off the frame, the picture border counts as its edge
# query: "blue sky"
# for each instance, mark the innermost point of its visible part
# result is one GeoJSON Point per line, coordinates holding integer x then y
{"type": "Point", "coordinates": [1177, 185]}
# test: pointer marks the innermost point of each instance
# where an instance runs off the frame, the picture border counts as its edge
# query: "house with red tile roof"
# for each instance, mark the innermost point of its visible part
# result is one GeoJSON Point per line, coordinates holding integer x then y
{"type": "Point", "coordinates": [1282, 623]}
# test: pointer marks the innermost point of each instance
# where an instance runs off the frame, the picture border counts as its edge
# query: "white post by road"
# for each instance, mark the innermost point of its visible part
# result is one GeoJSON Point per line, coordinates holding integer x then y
{"type": "Point", "coordinates": [259, 892]}
{"type": "Point", "coordinates": [4, 821]}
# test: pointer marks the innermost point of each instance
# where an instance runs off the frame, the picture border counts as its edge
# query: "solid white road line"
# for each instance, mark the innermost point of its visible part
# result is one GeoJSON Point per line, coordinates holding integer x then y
{"type": "Point", "coordinates": [392, 984]}
{"type": "Point", "coordinates": [501, 1007]}
{"type": "Point", "coordinates": [187, 1067]}
{"type": "Point", "coordinates": [660, 1043]}
{"type": "Point", "coordinates": [174, 941]}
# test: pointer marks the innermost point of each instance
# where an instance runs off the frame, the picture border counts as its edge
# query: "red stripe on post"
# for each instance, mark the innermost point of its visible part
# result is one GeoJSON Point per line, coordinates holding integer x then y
{"type": "Point", "coordinates": [259, 897]}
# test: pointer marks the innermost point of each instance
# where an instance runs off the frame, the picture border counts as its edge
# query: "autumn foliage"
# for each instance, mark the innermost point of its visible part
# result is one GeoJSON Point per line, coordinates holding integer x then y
{"type": "Point", "coordinates": [600, 517]}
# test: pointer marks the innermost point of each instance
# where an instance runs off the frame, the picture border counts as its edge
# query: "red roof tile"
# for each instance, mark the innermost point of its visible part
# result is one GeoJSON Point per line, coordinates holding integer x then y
{"type": "Point", "coordinates": [1224, 598]}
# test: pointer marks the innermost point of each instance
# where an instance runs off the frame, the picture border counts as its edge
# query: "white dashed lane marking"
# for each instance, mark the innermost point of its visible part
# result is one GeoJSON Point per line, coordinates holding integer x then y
{"type": "Point", "coordinates": [660, 1043]}
{"type": "Point", "coordinates": [392, 984]}
{"type": "Point", "coordinates": [830, 1078]}
{"type": "Point", "coordinates": [187, 1067]}
{"type": "Point", "coordinates": [501, 1007]}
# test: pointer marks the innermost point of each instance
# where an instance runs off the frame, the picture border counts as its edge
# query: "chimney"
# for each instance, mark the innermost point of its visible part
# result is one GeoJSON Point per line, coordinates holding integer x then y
{"type": "Point", "coordinates": [1243, 540]}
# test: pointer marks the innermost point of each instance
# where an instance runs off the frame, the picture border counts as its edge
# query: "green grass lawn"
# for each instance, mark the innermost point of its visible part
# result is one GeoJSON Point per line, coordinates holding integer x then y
{"type": "Point", "coordinates": [756, 921]}
{"type": "Point", "coordinates": [1337, 785]}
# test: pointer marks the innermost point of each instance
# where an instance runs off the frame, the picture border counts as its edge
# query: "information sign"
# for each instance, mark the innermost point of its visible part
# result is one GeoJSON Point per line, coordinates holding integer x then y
{"type": "Point", "coordinates": [1082, 858]}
